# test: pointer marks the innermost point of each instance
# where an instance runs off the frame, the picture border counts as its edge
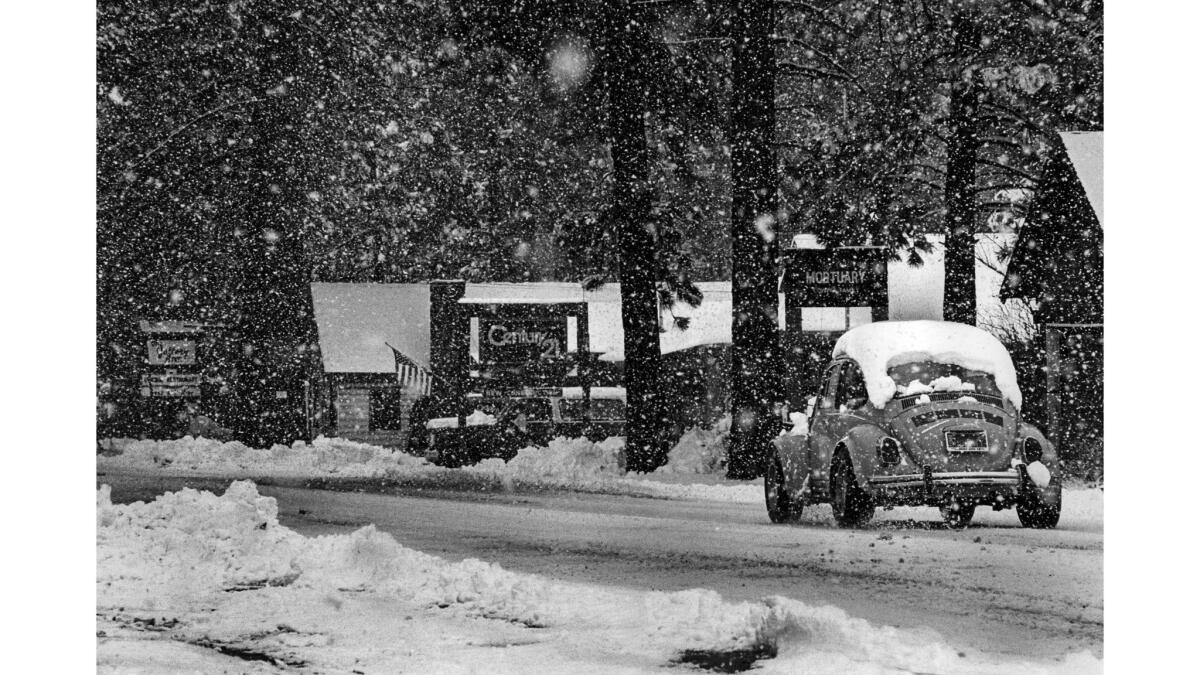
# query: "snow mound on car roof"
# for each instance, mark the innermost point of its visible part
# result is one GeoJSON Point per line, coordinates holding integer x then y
{"type": "Point", "coordinates": [879, 346]}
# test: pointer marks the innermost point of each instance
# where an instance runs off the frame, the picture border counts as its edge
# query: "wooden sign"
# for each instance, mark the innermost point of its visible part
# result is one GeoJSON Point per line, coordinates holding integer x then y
{"type": "Point", "coordinates": [528, 334]}
{"type": "Point", "coordinates": [171, 352]}
{"type": "Point", "coordinates": [836, 277]}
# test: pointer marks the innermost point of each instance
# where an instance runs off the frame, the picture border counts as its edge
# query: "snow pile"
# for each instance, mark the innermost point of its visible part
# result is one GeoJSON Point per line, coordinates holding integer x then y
{"type": "Point", "coordinates": [189, 544]}
{"type": "Point", "coordinates": [577, 464]}
{"type": "Point", "coordinates": [913, 388]}
{"type": "Point", "coordinates": [952, 383]}
{"type": "Point", "coordinates": [324, 457]}
{"type": "Point", "coordinates": [571, 464]}
{"type": "Point", "coordinates": [945, 383]}
{"type": "Point", "coordinates": [1039, 474]}
{"type": "Point", "coordinates": [475, 419]}
{"type": "Point", "coordinates": [363, 601]}
{"type": "Point", "coordinates": [699, 450]}
{"type": "Point", "coordinates": [566, 461]}
{"type": "Point", "coordinates": [480, 418]}
{"type": "Point", "coordinates": [442, 423]}
{"type": "Point", "coordinates": [876, 347]}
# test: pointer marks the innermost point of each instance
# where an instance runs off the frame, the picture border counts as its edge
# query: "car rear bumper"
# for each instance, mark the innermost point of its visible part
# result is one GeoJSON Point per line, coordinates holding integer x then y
{"type": "Point", "coordinates": [996, 488]}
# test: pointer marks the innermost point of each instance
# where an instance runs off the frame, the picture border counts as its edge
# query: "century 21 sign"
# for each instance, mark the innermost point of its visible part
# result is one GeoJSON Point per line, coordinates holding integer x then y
{"type": "Point", "coordinates": [514, 340]}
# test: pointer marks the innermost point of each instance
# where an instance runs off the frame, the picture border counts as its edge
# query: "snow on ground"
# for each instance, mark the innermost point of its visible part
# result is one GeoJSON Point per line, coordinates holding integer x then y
{"type": "Point", "coordinates": [193, 582]}
{"type": "Point", "coordinates": [324, 457]}
{"type": "Point", "coordinates": [694, 471]}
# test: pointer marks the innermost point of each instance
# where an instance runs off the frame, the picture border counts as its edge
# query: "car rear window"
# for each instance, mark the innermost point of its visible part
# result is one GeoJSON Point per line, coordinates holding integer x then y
{"type": "Point", "coordinates": [928, 376]}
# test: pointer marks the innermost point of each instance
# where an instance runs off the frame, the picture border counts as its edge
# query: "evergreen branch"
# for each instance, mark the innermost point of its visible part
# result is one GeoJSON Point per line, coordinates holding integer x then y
{"type": "Point", "coordinates": [813, 11]}
{"type": "Point", "coordinates": [1008, 168]}
{"type": "Point", "coordinates": [829, 59]}
{"type": "Point", "coordinates": [933, 184]}
{"type": "Point", "coordinates": [144, 156]}
{"type": "Point", "coordinates": [929, 167]}
{"type": "Point", "coordinates": [1001, 186]}
{"type": "Point", "coordinates": [1002, 142]}
{"type": "Point", "coordinates": [814, 73]}
{"type": "Point", "coordinates": [1015, 116]}
{"type": "Point", "coordinates": [690, 41]}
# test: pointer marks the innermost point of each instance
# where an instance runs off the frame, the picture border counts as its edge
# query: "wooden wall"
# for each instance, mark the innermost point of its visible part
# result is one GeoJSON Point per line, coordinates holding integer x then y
{"type": "Point", "coordinates": [351, 402]}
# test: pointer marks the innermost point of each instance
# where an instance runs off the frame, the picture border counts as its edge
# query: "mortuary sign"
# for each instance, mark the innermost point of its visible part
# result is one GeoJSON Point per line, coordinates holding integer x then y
{"type": "Point", "coordinates": [836, 277]}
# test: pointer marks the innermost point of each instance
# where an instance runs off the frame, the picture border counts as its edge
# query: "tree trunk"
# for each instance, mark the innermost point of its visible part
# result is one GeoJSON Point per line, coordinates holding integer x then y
{"type": "Point", "coordinates": [636, 246]}
{"type": "Point", "coordinates": [274, 322]}
{"type": "Point", "coordinates": [756, 364]}
{"type": "Point", "coordinates": [959, 298]}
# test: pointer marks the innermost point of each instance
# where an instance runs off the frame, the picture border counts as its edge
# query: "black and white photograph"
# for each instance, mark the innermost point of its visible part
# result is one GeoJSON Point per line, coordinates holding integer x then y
{"type": "Point", "coordinates": [599, 336]}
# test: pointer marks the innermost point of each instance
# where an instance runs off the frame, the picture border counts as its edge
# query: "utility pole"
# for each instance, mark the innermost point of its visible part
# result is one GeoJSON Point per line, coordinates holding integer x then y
{"type": "Point", "coordinates": [756, 376]}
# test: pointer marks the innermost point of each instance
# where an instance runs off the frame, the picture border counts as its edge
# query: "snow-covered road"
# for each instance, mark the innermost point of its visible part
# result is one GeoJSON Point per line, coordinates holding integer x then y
{"type": "Point", "coordinates": [994, 588]}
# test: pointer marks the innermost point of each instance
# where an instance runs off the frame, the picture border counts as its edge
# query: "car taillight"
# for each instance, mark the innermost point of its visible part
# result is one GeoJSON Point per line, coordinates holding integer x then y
{"type": "Point", "coordinates": [1032, 451]}
{"type": "Point", "coordinates": [888, 451]}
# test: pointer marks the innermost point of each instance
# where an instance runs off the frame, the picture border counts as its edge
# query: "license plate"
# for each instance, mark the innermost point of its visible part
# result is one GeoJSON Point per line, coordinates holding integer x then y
{"type": "Point", "coordinates": [966, 440]}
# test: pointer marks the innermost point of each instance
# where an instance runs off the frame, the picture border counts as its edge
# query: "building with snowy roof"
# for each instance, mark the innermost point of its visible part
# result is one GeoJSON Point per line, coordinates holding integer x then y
{"type": "Point", "coordinates": [380, 352]}
{"type": "Point", "coordinates": [1058, 266]}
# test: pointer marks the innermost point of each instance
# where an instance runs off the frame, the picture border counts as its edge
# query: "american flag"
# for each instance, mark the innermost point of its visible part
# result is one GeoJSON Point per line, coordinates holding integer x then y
{"type": "Point", "coordinates": [410, 375]}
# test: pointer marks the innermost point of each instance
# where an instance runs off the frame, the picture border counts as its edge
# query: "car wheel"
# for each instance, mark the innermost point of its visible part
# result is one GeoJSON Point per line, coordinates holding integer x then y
{"type": "Point", "coordinates": [852, 506]}
{"type": "Point", "coordinates": [957, 515]}
{"type": "Point", "coordinates": [1035, 513]}
{"type": "Point", "coordinates": [782, 507]}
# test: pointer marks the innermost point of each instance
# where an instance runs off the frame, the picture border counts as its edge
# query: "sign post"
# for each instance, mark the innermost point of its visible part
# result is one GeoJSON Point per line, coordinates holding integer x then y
{"type": "Point", "coordinates": [173, 369]}
{"type": "Point", "coordinates": [827, 277]}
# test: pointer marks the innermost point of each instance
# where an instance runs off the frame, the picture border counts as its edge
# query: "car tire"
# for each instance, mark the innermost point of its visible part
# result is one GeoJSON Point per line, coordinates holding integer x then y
{"type": "Point", "coordinates": [782, 506]}
{"type": "Point", "coordinates": [958, 515]}
{"type": "Point", "coordinates": [852, 506]}
{"type": "Point", "coordinates": [1036, 514]}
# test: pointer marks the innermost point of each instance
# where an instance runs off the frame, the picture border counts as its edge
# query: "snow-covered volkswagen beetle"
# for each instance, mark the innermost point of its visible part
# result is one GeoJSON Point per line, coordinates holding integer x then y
{"type": "Point", "coordinates": [915, 413]}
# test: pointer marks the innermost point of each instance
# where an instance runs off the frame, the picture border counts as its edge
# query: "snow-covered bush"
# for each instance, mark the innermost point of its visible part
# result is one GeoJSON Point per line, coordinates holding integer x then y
{"type": "Point", "coordinates": [700, 450]}
{"type": "Point", "coordinates": [565, 460]}
{"type": "Point", "coordinates": [324, 456]}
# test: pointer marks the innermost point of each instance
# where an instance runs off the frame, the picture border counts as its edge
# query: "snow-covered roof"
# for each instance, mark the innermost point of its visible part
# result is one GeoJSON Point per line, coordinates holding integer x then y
{"type": "Point", "coordinates": [1086, 151]}
{"type": "Point", "coordinates": [356, 322]}
{"type": "Point", "coordinates": [917, 292]}
{"type": "Point", "coordinates": [710, 323]}
{"type": "Point", "coordinates": [879, 346]}
{"type": "Point", "coordinates": [540, 292]}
